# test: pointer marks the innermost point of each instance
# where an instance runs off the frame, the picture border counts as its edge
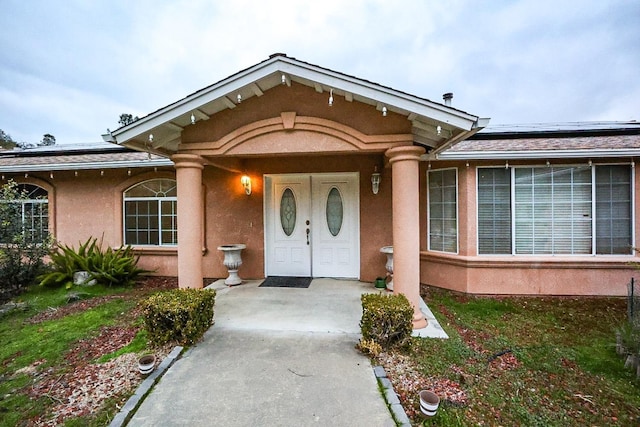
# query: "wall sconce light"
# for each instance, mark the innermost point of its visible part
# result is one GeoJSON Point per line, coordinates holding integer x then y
{"type": "Point", "coordinates": [331, 98]}
{"type": "Point", "coordinates": [246, 184]}
{"type": "Point", "coordinates": [239, 98]}
{"type": "Point", "coordinates": [375, 180]}
{"type": "Point", "coordinates": [193, 119]}
{"type": "Point", "coordinates": [384, 111]}
{"type": "Point", "coordinates": [283, 78]}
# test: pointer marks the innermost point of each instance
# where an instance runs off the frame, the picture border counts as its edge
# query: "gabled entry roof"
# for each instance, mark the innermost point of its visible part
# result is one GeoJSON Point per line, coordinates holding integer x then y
{"type": "Point", "coordinates": [434, 125]}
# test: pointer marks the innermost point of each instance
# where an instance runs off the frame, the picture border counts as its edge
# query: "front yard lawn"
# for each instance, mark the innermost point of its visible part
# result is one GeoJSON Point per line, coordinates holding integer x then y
{"type": "Point", "coordinates": [71, 363]}
{"type": "Point", "coordinates": [519, 361]}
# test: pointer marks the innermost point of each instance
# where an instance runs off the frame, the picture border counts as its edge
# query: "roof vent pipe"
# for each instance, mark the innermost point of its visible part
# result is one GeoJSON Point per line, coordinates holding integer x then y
{"type": "Point", "coordinates": [447, 98]}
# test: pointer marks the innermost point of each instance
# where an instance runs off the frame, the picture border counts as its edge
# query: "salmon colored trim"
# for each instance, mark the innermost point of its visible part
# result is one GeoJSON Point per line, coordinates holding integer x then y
{"type": "Point", "coordinates": [590, 262]}
{"type": "Point", "coordinates": [288, 122]}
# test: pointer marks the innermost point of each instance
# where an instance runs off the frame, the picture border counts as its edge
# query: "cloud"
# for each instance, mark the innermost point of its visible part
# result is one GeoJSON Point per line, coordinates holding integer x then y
{"type": "Point", "coordinates": [72, 67]}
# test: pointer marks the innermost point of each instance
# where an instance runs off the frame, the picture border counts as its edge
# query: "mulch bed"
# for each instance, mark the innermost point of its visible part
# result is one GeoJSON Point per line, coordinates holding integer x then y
{"type": "Point", "coordinates": [81, 386]}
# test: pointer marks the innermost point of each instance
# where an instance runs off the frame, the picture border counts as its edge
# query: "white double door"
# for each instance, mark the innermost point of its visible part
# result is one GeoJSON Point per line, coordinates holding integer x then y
{"type": "Point", "coordinates": [312, 225]}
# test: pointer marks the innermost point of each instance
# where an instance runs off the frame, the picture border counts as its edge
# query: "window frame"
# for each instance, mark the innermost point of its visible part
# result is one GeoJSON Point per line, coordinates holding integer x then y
{"type": "Point", "coordinates": [159, 201]}
{"type": "Point", "coordinates": [33, 202]}
{"type": "Point", "coordinates": [457, 211]}
{"type": "Point", "coordinates": [593, 167]}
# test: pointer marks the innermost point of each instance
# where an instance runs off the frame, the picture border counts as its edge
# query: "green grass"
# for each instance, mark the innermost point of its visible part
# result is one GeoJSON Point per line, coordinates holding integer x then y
{"type": "Point", "coordinates": [567, 371]}
{"type": "Point", "coordinates": [24, 343]}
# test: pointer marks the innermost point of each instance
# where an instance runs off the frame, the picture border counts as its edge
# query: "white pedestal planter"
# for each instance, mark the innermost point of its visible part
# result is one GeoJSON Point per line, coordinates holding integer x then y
{"type": "Point", "coordinates": [388, 251]}
{"type": "Point", "coordinates": [233, 261]}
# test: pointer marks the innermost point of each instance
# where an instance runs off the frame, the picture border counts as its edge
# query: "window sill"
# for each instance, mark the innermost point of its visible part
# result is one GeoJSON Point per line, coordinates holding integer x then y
{"type": "Point", "coordinates": [155, 250]}
{"type": "Point", "coordinates": [160, 250]}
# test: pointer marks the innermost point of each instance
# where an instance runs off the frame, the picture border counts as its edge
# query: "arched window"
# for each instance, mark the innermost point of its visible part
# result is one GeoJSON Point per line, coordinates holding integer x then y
{"type": "Point", "coordinates": [150, 213]}
{"type": "Point", "coordinates": [27, 212]}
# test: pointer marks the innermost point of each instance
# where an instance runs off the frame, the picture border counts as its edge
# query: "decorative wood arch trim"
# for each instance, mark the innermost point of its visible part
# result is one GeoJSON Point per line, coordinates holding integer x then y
{"type": "Point", "coordinates": [354, 140]}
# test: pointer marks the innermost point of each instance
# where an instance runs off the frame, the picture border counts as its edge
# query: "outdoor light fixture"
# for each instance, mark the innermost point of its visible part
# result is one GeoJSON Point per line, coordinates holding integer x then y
{"type": "Point", "coordinates": [239, 98]}
{"type": "Point", "coordinates": [150, 138]}
{"type": "Point", "coordinates": [193, 119]}
{"type": "Point", "coordinates": [375, 180]}
{"type": "Point", "coordinates": [284, 80]}
{"type": "Point", "coordinates": [384, 111]}
{"type": "Point", "coordinates": [51, 175]}
{"type": "Point", "coordinates": [246, 184]}
{"type": "Point", "coordinates": [331, 98]}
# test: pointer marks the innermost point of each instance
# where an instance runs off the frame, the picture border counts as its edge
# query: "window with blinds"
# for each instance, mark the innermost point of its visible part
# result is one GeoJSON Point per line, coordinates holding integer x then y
{"type": "Point", "coordinates": [494, 211]}
{"type": "Point", "coordinates": [551, 210]}
{"type": "Point", "coordinates": [613, 210]}
{"type": "Point", "coordinates": [443, 210]}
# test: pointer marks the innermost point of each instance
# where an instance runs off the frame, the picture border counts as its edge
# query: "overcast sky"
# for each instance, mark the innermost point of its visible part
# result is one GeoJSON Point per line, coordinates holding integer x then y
{"type": "Point", "coordinates": [71, 67]}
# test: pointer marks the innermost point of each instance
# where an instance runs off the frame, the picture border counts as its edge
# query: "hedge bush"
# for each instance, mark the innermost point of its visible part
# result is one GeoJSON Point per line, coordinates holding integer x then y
{"type": "Point", "coordinates": [178, 315]}
{"type": "Point", "coordinates": [386, 320]}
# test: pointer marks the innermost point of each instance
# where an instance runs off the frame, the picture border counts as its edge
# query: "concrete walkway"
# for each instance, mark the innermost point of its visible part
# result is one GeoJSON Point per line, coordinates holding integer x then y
{"type": "Point", "coordinates": [274, 357]}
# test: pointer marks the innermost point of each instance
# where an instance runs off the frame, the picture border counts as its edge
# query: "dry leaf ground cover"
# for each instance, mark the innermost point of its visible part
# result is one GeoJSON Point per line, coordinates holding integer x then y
{"type": "Point", "coordinates": [72, 363]}
{"type": "Point", "coordinates": [519, 362]}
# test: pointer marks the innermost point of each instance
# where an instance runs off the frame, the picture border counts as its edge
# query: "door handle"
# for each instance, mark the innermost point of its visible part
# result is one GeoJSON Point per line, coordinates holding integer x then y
{"type": "Point", "coordinates": [307, 236]}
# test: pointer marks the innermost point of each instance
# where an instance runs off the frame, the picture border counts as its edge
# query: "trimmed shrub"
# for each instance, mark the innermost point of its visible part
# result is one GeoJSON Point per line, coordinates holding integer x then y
{"type": "Point", "coordinates": [178, 315]}
{"type": "Point", "coordinates": [386, 320]}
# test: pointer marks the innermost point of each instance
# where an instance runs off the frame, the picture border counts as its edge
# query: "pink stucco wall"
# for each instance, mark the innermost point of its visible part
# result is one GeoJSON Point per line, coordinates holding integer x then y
{"type": "Point", "coordinates": [233, 217]}
{"type": "Point", "coordinates": [90, 205]}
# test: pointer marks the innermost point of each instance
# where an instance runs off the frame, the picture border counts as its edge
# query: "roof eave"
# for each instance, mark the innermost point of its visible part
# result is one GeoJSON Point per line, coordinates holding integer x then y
{"type": "Point", "coordinates": [51, 167]}
{"type": "Point", "coordinates": [539, 154]}
{"type": "Point", "coordinates": [394, 100]}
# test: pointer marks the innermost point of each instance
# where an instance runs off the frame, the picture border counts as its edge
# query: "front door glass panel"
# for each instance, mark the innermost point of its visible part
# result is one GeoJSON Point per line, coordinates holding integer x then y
{"type": "Point", "coordinates": [288, 211]}
{"type": "Point", "coordinates": [334, 211]}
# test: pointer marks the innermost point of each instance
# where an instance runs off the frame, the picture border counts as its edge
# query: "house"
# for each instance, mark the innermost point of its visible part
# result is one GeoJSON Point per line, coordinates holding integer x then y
{"type": "Point", "coordinates": [315, 171]}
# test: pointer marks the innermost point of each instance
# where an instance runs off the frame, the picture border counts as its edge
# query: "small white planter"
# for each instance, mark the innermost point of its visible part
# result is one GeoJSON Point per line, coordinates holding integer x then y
{"type": "Point", "coordinates": [146, 364]}
{"type": "Point", "coordinates": [429, 402]}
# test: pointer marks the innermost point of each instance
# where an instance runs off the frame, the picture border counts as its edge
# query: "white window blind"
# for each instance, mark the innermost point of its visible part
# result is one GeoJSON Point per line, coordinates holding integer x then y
{"type": "Point", "coordinates": [443, 210]}
{"type": "Point", "coordinates": [494, 211]}
{"type": "Point", "coordinates": [551, 210]}
{"type": "Point", "coordinates": [613, 209]}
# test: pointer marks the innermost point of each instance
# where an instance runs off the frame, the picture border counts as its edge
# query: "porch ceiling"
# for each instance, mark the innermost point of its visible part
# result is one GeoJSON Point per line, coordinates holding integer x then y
{"type": "Point", "coordinates": [434, 125]}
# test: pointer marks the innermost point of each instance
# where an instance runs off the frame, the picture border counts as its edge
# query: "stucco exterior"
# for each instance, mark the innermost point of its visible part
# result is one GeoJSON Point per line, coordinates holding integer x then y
{"type": "Point", "coordinates": [280, 124]}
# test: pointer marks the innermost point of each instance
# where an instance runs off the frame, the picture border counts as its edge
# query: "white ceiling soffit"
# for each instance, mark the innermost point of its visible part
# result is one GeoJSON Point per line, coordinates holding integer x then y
{"type": "Point", "coordinates": [428, 118]}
